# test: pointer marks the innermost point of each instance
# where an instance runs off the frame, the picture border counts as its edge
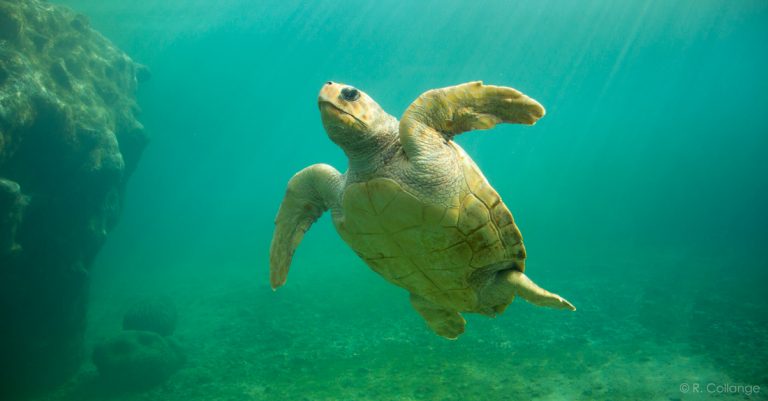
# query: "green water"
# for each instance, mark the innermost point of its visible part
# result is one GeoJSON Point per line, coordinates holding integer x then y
{"type": "Point", "coordinates": [641, 196]}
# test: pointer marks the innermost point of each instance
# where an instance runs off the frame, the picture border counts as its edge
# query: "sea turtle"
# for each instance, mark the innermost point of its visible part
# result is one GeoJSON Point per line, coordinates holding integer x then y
{"type": "Point", "coordinates": [413, 205]}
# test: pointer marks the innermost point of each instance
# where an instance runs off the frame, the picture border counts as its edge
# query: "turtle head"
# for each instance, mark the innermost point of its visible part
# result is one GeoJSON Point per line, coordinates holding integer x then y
{"type": "Point", "coordinates": [352, 119]}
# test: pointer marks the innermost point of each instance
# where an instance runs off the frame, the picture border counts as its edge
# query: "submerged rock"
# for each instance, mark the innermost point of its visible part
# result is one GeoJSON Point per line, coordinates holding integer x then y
{"type": "Point", "coordinates": [12, 204]}
{"type": "Point", "coordinates": [154, 314]}
{"type": "Point", "coordinates": [135, 360]}
{"type": "Point", "coordinates": [69, 139]}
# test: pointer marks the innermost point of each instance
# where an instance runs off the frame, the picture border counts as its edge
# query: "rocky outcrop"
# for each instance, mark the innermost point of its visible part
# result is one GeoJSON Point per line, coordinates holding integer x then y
{"type": "Point", "coordinates": [69, 139]}
{"type": "Point", "coordinates": [136, 360]}
{"type": "Point", "coordinates": [156, 314]}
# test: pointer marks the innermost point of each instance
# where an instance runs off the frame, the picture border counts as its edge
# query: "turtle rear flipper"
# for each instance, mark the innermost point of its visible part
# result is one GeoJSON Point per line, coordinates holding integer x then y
{"type": "Point", "coordinates": [529, 291]}
{"type": "Point", "coordinates": [445, 322]}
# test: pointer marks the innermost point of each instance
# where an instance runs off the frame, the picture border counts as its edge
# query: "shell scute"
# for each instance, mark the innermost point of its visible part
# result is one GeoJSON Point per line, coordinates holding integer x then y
{"type": "Point", "coordinates": [356, 198]}
{"type": "Point", "coordinates": [432, 214]}
{"type": "Point", "coordinates": [382, 193]}
{"type": "Point", "coordinates": [451, 217]}
{"type": "Point", "coordinates": [403, 212]}
{"type": "Point", "coordinates": [473, 214]}
{"type": "Point", "coordinates": [440, 238]}
{"type": "Point", "coordinates": [456, 256]}
{"type": "Point", "coordinates": [487, 195]}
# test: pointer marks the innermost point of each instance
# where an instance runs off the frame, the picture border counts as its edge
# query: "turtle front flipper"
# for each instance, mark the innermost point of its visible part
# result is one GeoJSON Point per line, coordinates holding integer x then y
{"type": "Point", "coordinates": [440, 114]}
{"type": "Point", "coordinates": [310, 192]}
{"type": "Point", "coordinates": [446, 323]}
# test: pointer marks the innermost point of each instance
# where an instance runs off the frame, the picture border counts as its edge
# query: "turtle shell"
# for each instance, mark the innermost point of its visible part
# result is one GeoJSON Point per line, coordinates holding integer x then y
{"type": "Point", "coordinates": [433, 250]}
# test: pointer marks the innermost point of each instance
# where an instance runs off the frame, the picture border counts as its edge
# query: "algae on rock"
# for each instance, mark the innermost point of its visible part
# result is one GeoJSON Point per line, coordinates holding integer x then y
{"type": "Point", "coordinates": [69, 139]}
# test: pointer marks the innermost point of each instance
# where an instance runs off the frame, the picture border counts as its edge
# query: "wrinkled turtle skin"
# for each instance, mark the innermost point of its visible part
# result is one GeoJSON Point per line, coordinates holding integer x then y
{"type": "Point", "coordinates": [414, 206]}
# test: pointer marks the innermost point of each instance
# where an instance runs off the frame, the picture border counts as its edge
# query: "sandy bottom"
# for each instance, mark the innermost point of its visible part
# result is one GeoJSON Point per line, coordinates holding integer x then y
{"type": "Point", "coordinates": [356, 338]}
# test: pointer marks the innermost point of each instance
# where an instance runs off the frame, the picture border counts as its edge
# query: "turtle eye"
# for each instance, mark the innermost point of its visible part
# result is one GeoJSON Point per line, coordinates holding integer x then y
{"type": "Point", "coordinates": [350, 94]}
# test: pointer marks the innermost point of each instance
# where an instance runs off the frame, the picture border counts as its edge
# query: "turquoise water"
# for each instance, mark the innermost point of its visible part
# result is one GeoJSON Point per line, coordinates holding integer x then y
{"type": "Point", "coordinates": [641, 196]}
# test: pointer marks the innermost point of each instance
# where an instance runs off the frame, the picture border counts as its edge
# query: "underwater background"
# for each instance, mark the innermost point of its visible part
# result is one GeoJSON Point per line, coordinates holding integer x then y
{"type": "Point", "coordinates": [641, 196]}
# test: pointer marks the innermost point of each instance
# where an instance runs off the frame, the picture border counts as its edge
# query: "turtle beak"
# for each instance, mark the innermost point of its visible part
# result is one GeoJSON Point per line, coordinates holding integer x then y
{"type": "Point", "coordinates": [327, 99]}
{"type": "Point", "coordinates": [328, 92]}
